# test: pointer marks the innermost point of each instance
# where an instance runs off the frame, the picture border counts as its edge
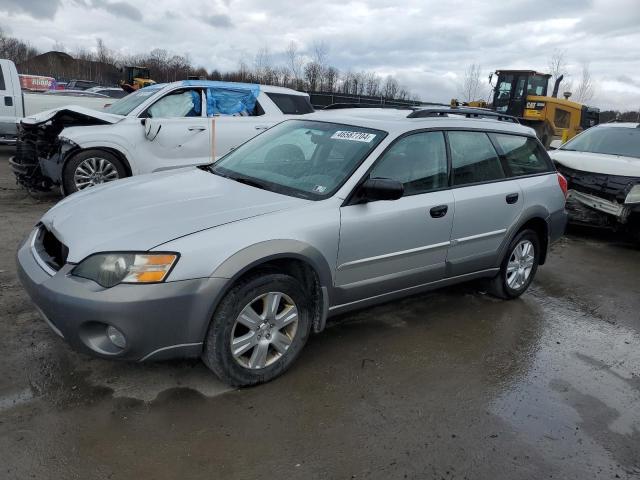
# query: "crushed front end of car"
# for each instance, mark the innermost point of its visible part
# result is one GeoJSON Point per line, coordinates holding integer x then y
{"type": "Point", "coordinates": [40, 151]}
{"type": "Point", "coordinates": [603, 200]}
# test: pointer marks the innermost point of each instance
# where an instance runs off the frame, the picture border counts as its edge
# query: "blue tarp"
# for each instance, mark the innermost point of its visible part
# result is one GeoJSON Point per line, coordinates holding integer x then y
{"type": "Point", "coordinates": [228, 98]}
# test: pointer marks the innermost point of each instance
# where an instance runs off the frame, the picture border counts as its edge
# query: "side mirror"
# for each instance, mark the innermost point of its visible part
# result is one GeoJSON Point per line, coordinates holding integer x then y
{"type": "Point", "coordinates": [151, 129]}
{"type": "Point", "coordinates": [381, 189]}
{"type": "Point", "coordinates": [555, 144]}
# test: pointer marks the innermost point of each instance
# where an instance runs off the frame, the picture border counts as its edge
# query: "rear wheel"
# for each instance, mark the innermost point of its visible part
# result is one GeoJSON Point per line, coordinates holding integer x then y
{"type": "Point", "coordinates": [89, 168]}
{"type": "Point", "coordinates": [518, 267]}
{"type": "Point", "coordinates": [258, 330]}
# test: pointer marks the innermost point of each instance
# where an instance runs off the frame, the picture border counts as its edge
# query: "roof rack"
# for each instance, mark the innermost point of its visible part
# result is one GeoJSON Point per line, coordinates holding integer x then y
{"type": "Point", "coordinates": [337, 106]}
{"type": "Point", "coordinates": [467, 112]}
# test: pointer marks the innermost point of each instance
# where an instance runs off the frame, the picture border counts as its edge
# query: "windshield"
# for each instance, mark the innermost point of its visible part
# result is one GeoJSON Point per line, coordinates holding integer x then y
{"type": "Point", "coordinates": [125, 105]}
{"type": "Point", "coordinates": [302, 158]}
{"type": "Point", "coordinates": [610, 140]}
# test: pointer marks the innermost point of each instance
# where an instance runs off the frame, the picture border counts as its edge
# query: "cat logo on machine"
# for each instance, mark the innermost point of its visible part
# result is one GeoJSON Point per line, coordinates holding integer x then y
{"type": "Point", "coordinates": [535, 105]}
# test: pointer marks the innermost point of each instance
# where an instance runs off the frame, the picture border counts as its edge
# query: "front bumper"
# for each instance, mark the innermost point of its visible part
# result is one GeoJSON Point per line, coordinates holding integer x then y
{"type": "Point", "coordinates": [159, 321]}
{"type": "Point", "coordinates": [588, 208]}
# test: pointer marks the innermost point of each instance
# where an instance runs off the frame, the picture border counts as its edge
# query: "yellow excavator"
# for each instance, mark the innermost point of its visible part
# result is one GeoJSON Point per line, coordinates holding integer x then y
{"type": "Point", "coordinates": [523, 94]}
{"type": "Point", "coordinates": [135, 78]}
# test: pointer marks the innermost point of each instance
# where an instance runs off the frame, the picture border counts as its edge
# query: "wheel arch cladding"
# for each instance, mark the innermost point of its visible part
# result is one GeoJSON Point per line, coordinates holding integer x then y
{"type": "Point", "coordinates": [539, 225]}
{"type": "Point", "coordinates": [298, 259]}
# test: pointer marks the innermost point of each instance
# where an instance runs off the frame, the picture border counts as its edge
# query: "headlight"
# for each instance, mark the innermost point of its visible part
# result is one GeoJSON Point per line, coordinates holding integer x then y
{"type": "Point", "coordinates": [110, 269]}
{"type": "Point", "coordinates": [634, 195]}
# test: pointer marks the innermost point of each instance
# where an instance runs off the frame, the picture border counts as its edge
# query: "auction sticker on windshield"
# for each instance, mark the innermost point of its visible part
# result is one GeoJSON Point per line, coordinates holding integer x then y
{"type": "Point", "coordinates": [353, 136]}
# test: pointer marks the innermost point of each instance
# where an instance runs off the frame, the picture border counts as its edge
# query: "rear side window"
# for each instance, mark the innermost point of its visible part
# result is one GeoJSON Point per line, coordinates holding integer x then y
{"type": "Point", "coordinates": [473, 158]}
{"type": "Point", "coordinates": [522, 155]}
{"type": "Point", "coordinates": [2, 86]}
{"type": "Point", "coordinates": [419, 161]}
{"type": "Point", "coordinates": [291, 104]}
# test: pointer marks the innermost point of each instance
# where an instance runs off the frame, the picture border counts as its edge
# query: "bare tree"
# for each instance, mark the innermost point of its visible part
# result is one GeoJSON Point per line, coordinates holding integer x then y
{"type": "Point", "coordinates": [390, 89]}
{"type": "Point", "coordinates": [295, 63]}
{"type": "Point", "coordinates": [586, 89]}
{"type": "Point", "coordinates": [557, 65]}
{"type": "Point", "coordinates": [470, 88]}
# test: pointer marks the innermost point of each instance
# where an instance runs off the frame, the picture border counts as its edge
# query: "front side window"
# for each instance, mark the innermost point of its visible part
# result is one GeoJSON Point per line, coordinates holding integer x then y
{"type": "Point", "coordinates": [473, 158]}
{"type": "Point", "coordinates": [181, 103]}
{"type": "Point", "coordinates": [307, 159]}
{"type": "Point", "coordinates": [503, 93]}
{"type": "Point", "coordinates": [523, 155]}
{"type": "Point", "coordinates": [419, 161]}
{"type": "Point", "coordinates": [623, 141]}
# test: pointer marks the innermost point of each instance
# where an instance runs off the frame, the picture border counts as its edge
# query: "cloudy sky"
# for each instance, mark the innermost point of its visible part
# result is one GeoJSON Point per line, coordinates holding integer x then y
{"type": "Point", "coordinates": [426, 44]}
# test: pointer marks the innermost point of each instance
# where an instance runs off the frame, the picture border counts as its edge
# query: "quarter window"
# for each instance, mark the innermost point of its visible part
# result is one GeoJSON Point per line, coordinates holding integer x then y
{"type": "Point", "coordinates": [473, 158]}
{"type": "Point", "coordinates": [419, 161]}
{"type": "Point", "coordinates": [523, 155]}
{"type": "Point", "coordinates": [291, 104]}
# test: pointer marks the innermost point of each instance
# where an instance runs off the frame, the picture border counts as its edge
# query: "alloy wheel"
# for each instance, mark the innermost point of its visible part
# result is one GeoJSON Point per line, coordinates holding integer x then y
{"type": "Point", "coordinates": [94, 171]}
{"type": "Point", "coordinates": [264, 330]}
{"type": "Point", "coordinates": [520, 264]}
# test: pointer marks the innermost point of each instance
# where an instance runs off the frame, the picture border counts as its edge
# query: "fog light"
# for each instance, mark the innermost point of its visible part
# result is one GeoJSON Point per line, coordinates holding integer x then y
{"type": "Point", "coordinates": [116, 337]}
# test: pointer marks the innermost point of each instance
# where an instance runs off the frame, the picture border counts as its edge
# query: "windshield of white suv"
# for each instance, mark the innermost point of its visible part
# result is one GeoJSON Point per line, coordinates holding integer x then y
{"type": "Point", "coordinates": [302, 158]}
{"type": "Point", "coordinates": [125, 105]}
{"type": "Point", "coordinates": [609, 140]}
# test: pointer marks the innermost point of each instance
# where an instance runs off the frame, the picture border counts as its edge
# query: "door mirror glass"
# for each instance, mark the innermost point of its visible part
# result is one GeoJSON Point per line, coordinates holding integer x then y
{"type": "Point", "coordinates": [381, 189]}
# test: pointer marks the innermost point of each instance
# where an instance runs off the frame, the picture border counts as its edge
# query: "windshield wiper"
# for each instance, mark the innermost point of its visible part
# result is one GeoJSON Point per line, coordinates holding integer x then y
{"type": "Point", "coordinates": [251, 182]}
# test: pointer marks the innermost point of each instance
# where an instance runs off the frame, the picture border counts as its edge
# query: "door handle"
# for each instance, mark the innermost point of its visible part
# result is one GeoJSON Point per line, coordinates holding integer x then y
{"type": "Point", "coordinates": [197, 128]}
{"type": "Point", "coordinates": [8, 101]}
{"type": "Point", "coordinates": [261, 127]}
{"type": "Point", "coordinates": [512, 198]}
{"type": "Point", "coordinates": [439, 211]}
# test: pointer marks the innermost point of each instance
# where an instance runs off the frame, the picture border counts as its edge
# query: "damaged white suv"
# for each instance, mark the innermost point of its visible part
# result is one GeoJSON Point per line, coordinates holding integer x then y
{"type": "Point", "coordinates": [159, 127]}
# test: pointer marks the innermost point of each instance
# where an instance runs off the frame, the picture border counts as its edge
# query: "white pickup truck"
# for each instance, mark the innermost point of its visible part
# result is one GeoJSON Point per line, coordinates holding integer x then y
{"type": "Point", "coordinates": [16, 104]}
{"type": "Point", "coordinates": [160, 127]}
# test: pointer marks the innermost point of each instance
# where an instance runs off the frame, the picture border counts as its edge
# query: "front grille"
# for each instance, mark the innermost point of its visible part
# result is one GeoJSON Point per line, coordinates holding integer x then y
{"type": "Point", "coordinates": [49, 250]}
{"type": "Point", "coordinates": [609, 187]}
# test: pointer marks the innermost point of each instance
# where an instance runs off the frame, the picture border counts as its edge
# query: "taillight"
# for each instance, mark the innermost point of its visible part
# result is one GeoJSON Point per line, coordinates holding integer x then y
{"type": "Point", "coordinates": [563, 184]}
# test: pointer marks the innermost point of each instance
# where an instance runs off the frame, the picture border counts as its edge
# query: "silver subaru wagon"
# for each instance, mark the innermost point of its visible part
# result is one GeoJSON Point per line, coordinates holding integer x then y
{"type": "Point", "coordinates": [239, 261]}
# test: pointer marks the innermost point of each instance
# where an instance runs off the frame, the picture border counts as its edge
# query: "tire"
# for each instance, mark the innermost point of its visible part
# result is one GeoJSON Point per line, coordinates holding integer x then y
{"type": "Point", "coordinates": [249, 297]}
{"type": "Point", "coordinates": [504, 285]}
{"type": "Point", "coordinates": [106, 167]}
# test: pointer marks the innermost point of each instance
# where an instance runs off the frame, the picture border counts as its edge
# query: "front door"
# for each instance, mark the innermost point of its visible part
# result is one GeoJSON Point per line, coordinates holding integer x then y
{"type": "Point", "coordinates": [7, 102]}
{"type": "Point", "coordinates": [176, 133]}
{"type": "Point", "coordinates": [392, 245]}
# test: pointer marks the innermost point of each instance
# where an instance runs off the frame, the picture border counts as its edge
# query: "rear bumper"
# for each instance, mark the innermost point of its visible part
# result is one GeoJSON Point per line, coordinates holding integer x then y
{"type": "Point", "coordinates": [159, 321]}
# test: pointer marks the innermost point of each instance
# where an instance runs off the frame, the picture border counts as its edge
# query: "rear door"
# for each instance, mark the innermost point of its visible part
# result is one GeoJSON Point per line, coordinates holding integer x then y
{"type": "Point", "coordinates": [391, 245]}
{"type": "Point", "coordinates": [487, 202]}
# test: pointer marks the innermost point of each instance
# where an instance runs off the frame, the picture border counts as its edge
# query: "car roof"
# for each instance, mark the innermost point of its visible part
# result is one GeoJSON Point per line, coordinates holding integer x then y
{"type": "Point", "coordinates": [216, 83]}
{"type": "Point", "coordinates": [396, 121]}
{"type": "Point", "coordinates": [619, 125]}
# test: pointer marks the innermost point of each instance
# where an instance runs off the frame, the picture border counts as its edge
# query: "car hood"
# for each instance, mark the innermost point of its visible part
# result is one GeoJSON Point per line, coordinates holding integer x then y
{"type": "Point", "coordinates": [72, 111]}
{"type": "Point", "coordinates": [139, 213]}
{"type": "Point", "coordinates": [598, 162]}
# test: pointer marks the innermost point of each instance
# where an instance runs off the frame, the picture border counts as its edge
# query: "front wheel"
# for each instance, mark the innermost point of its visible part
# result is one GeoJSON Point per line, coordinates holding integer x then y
{"type": "Point", "coordinates": [89, 168]}
{"type": "Point", "coordinates": [518, 267]}
{"type": "Point", "coordinates": [258, 330]}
